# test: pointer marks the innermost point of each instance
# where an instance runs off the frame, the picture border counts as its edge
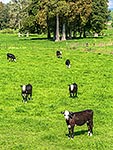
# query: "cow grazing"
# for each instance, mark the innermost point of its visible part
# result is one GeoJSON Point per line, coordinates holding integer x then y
{"type": "Point", "coordinates": [79, 119]}
{"type": "Point", "coordinates": [67, 62]}
{"type": "Point", "coordinates": [26, 92]}
{"type": "Point", "coordinates": [59, 54]}
{"type": "Point", "coordinates": [11, 57]}
{"type": "Point", "coordinates": [73, 88]}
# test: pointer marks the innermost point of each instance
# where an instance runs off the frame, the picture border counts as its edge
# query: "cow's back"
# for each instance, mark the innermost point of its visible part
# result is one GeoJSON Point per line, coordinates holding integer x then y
{"type": "Point", "coordinates": [83, 117]}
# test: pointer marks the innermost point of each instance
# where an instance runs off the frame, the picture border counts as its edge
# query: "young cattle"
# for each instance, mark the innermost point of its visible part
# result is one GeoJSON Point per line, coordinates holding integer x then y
{"type": "Point", "coordinates": [11, 57]}
{"type": "Point", "coordinates": [73, 88]}
{"type": "Point", "coordinates": [68, 63]}
{"type": "Point", "coordinates": [79, 119]}
{"type": "Point", "coordinates": [26, 92]}
{"type": "Point", "coordinates": [59, 54]}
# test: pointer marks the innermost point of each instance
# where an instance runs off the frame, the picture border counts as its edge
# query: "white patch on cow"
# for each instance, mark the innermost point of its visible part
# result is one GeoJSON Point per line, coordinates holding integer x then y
{"type": "Point", "coordinates": [23, 87]}
{"type": "Point", "coordinates": [15, 60]}
{"type": "Point", "coordinates": [66, 114]}
{"type": "Point", "coordinates": [69, 126]}
{"type": "Point", "coordinates": [69, 66]}
{"type": "Point", "coordinates": [89, 133]}
{"type": "Point", "coordinates": [72, 87]}
{"type": "Point", "coordinates": [24, 95]}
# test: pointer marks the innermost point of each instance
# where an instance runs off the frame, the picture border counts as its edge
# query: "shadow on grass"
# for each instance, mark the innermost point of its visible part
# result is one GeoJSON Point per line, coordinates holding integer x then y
{"type": "Point", "coordinates": [36, 39]}
{"type": "Point", "coordinates": [79, 133]}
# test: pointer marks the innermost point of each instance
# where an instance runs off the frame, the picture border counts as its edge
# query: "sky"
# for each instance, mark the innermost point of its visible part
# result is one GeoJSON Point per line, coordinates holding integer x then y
{"type": "Point", "coordinates": [110, 2]}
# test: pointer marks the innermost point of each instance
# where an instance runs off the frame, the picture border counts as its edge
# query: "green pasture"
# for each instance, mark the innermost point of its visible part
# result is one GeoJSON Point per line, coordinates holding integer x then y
{"type": "Point", "coordinates": [38, 124]}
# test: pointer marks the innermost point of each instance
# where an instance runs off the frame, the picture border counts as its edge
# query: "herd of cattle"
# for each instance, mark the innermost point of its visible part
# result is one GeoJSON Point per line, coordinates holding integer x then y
{"type": "Point", "coordinates": [72, 118]}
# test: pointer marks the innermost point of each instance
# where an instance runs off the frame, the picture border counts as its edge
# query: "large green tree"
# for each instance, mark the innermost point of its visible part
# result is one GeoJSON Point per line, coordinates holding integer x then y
{"type": "Point", "coordinates": [4, 16]}
{"type": "Point", "coordinates": [78, 15]}
{"type": "Point", "coordinates": [17, 10]}
{"type": "Point", "coordinates": [98, 17]}
{"type": "Point", "coordinates": [64, 18]}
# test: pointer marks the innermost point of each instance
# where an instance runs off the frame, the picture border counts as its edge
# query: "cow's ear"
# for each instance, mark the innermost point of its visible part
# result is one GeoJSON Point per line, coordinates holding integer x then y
{"type": "Point", "coordinates": [71, 115]}
{"type": "Point", "coordinates": [62, 112]}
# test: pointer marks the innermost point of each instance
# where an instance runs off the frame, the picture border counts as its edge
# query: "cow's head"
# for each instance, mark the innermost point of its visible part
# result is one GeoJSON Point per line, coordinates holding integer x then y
{"type": "Point", "coordinates": [67, 114]}
{"type": "Point", "coordinates": [23, 87]}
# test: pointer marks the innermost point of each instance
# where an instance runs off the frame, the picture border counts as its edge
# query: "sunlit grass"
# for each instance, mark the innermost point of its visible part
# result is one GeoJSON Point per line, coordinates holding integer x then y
{"type": "Point", "coordinates": [38, 124]}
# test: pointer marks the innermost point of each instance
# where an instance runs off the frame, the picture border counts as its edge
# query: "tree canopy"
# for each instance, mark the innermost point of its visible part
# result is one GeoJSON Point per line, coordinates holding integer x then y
{"type": "Point", "coordinates": [60, 19]}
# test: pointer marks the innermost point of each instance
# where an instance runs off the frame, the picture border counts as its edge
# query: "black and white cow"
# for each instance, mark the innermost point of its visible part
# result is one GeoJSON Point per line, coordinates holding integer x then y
{"type": "Point", "coordinates": [11, 57]}
{"type": "Point", "coordinates": [78, 119]}
{"type": "Point", "coordinates": [67, 62]}
{"type": "Point", "coordinates": [59, 54]}
{"type": "Point", "coordinates": [26, 92]}
{"type": "Point", "coordinates": [73, 89]}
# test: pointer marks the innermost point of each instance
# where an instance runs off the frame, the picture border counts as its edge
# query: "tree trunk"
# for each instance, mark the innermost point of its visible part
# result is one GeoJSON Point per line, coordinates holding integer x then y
{"type": "Point", "coordinates": [63, 32]}
{"type": "Point", "coordinates": [48, 28]}
{"type": "Point", "coordinates": [57, 36]}
{"type": "Point", "coordinates": [74, 34]}
{"type": "Point", "coordinates": [70, 33]}
{"type": "Point", "coordinates": [84, 34]}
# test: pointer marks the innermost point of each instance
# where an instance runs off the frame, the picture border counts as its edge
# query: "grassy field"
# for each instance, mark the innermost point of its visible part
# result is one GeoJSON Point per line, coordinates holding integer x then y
{"type": "Point", "coordinates": [38, 124]}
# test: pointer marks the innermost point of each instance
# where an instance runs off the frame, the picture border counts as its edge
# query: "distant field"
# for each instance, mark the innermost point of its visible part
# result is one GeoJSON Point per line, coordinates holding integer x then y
{"type": "Point", "coordinates": [38, 124]}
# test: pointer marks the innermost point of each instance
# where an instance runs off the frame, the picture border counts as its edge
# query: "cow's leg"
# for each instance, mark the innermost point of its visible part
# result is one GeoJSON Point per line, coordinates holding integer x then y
{"type": "Point", "coordinates": [72, 130]}
{"type": "Point", "coordinates": [25, 100]}
{"type": "Point", "coordinates": [70, 94]}
{"type": "Point", "coordinates": [90, 126]}
{"type": "Point", "coordinates": [69, 129]}
{"type": "Point", "coordinates": [30, 96]}
{"type": "Point", "coordinates": [24, 96]}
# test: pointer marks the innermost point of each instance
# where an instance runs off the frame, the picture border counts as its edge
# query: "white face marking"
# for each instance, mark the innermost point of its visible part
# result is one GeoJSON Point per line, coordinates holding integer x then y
{"type": "Point", "coordinates": [23, 87]}
{"type": "Point", "coordinates": [72, 87]}
{"type": "Point", "coordinates": [66, 114]}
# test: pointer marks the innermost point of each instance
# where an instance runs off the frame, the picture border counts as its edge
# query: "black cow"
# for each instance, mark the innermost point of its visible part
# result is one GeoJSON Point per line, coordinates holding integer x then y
{"type": "Point", "coordinates": [11, 57]}
{"type": "Point", "coordinates": [26, 92]}
{"type": "Point", "coordinates": [79, 119]}
{"type": "Point", "coordinates": [73, 88]}
{"type": "Point", "coordinates": [59, 54]}
{"type": "Point", "coordinates": [67, 62]}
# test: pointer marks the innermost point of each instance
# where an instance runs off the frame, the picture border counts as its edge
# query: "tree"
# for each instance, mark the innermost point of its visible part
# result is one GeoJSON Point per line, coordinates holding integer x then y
{"type": "Point", "coordinates": [78, 14]}
{"type": "Point", "coordinates": [64, 18]}
{"type": "Point", "coordinates": [17, 10]}
{"type": "Point", "coordinates": [99, 16]}
{"type": "Point", "coordinates": [4, 16]}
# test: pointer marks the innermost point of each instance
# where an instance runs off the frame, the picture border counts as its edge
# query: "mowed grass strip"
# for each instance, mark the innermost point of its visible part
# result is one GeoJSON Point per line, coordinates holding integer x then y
{"type": "Point", "coordinates": [38, 124]}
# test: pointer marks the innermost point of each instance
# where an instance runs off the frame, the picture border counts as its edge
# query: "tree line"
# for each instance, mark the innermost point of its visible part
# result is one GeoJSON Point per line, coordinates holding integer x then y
{"type": "Point", "coordinates": [59, 19]}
